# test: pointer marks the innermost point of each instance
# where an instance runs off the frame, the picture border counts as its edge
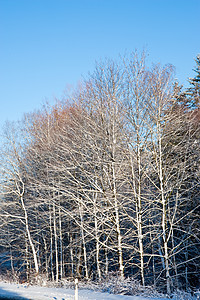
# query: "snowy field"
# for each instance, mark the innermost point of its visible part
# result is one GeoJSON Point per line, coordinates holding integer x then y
{"type": "Point", "coordinates": [24, 292]}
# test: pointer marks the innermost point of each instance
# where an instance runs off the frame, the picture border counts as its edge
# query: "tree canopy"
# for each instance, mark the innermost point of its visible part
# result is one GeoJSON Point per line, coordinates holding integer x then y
{"type": "Point", "coordinates": [107, 181]}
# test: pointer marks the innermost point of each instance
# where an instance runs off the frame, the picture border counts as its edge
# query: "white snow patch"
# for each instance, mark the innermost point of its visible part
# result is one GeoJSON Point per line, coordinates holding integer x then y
{"type": "Point", "coordinates": [22, 291]}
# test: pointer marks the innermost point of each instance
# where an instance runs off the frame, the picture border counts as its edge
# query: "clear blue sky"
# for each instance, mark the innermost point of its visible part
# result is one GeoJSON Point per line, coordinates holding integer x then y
{"type": "Point", "coordinates": [48, 45]}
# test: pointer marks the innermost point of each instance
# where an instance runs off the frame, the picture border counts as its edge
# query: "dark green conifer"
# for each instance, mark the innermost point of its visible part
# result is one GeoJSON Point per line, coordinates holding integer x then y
{"type": "Point", "coordinates": [193, 91]}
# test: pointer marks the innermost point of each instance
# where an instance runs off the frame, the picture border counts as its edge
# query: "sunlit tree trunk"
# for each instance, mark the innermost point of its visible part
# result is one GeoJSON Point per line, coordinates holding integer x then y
{"type": "Point", "coordinates": [83, 241]}
{"type": "Point", "coordinates": [55, 241]}
{"type": "Point", "coordinates": [61, 243]}
{"type": "Point", "coordinates": [29, 236]}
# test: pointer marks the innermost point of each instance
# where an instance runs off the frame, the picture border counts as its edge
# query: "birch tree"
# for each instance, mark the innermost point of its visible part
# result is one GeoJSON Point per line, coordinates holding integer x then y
{"type": "Point", "coordinates": [14, 187]}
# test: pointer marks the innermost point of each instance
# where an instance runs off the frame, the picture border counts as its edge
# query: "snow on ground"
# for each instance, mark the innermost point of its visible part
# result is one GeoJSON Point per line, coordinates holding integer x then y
{"type": "Point", "coordinates": [24, 292]}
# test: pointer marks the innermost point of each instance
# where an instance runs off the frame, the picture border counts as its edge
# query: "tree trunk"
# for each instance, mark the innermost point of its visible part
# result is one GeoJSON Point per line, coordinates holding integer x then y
{"type": "Point", "coordinates": [83, 241]}
{"type": "Point", "coordinates": [164, 213]}
{"type": "Point", "coordinates": [29, 237]}
{"type": "Point", "coordinates": [56, 242]}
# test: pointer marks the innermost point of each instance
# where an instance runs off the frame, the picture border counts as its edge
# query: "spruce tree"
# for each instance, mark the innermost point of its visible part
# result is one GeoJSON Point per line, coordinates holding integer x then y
{"type": "Point", "coordinates": [193, 91]}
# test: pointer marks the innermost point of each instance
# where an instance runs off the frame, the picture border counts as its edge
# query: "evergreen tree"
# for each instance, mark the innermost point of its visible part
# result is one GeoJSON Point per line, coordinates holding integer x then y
{"type": "Point", "coordinates": [193, 91]}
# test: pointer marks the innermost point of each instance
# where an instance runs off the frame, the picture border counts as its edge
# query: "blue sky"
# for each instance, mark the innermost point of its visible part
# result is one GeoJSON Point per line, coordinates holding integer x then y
{"type": "Point", "coordinates": [46, 46]}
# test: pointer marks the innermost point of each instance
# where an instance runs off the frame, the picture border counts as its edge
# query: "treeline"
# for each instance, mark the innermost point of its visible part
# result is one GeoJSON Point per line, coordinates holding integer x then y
{"type": "Point", "coordinates": [107, 181]}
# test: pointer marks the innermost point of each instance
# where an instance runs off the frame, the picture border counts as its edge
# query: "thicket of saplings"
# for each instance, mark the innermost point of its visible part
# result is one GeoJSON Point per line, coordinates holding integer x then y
{"type": "Point", "coordinates": [106, 181]}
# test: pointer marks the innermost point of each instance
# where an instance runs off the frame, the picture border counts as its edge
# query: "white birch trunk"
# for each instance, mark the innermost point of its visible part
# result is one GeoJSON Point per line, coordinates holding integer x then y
{"type": "Point", "coordinates": [51, 243]}
{"type": "Point", "coordinates": [139, 219]}
{"type": "Point", "coordinates": [106, 256]}
{"type": "Point", "coordinates": [84, 244]}
{"type": "Point", "coordinates": [119, 237]}
{"type": "Point", "coordinates": [61, 245]}
{"type": "Point", "coordinates": [164, 213]}
{"type": "Point", "coordinates": [137, 195]}
{"type": "Point", "coordinates": [71, 255]}
{"type": "Point", "coordinates": [96, 236]}
{"type": "Point", "coordinates": [46, 258]}
{"type": "Point", "coordinates": [56, 242]}
{"type": "Point", "coordinates": [29, 237]}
